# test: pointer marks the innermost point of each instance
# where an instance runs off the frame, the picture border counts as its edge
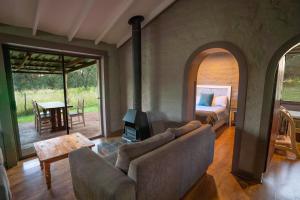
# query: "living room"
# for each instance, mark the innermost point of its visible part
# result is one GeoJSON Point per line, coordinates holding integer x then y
{"type": "Point", "coordinates": [149, 53]}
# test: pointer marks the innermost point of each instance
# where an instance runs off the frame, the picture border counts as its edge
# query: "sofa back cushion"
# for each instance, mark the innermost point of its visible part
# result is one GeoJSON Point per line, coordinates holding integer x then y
{"type": "Point", "coordinates": [169, 171]}
{"type": "Point", "coordinates": [128, 152]}
{"type": "Point", "coordinates": [192, 125]}
{"type": "Point", "coordinates": [1, 157]}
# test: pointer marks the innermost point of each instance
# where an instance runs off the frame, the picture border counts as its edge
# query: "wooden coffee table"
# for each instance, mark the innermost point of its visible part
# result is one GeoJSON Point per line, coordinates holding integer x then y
{"type": "Point", "coordinates": [58, 148]}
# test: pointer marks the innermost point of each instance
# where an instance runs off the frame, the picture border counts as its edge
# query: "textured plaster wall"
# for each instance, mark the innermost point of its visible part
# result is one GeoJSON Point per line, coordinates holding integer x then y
{"type": "Point", "coordinates": [257, 27]}
{"type": "Point", "coordinates": [113, 66]}
{"type": "Point", "coordinates": [220, 69]}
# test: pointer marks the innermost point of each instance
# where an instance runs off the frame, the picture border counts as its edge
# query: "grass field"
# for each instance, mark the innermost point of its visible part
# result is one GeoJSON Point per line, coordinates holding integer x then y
{"type": "Point", "coordinates": [291, 92]}
{"type": "Point", "coordinates": [46, 95]}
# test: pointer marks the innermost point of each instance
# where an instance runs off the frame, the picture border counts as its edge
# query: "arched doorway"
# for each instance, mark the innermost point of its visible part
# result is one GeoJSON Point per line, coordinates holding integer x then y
{"type": "Point", "coordinates": [190, 78]}
{"type": "Point", "coordinates": [269, 97]}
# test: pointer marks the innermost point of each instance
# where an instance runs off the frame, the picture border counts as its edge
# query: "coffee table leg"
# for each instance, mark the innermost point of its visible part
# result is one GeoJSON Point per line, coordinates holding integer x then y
{"type": "Point", "coordinates": [47, 174]}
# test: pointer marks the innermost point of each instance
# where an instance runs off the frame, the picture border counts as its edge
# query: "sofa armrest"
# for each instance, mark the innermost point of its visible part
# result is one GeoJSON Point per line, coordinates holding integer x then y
{"type": "Point", "coordinates": [5, 193]}
{"type": "Point", "coordinates": [94, 178]}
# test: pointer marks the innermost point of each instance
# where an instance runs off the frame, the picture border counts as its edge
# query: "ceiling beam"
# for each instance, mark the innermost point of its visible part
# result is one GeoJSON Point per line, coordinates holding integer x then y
{"type": "Point", "coordinates": [74, 62]}
{"type": "Point", "coordinates": [82, 66]}
{"type": "Point", "coordinates": [113, 19]}
{"type": "Point", "coordinates": [26, 58]}
{"type": "Point", "coordinates": [155, 12]}
{"type": "Point", "coordinates": [36, 72]}
{"type": "Point", "coordinates": [31, 66]}
{"type": "Point", "coordinates": [37, 17]}
{"type": "Point", "coordinates": [37, 60]}
{"type": "Point", "coordinates": [85, 11]}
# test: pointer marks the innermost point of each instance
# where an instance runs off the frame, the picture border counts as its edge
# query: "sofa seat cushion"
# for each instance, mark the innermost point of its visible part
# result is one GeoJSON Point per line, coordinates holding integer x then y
{"type": "Point", "coordinates": [129, 152]}
{"type": "Point", "coordinates": [192, 125]}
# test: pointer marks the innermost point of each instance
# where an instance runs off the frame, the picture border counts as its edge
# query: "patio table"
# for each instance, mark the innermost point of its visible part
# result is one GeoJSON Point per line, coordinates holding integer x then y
{"type": "Point", "coordinates": [56, 108]}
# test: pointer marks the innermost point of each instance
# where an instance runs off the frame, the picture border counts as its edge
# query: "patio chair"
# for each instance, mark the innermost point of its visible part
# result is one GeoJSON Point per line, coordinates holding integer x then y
{"type": "Point", "coordinates": [287, 140]}
{"type": "Point", "coordinates": [43, 120]}
{"type": "Point", "coordinates": [79, 113]}
{"type": "Point", "coordinates": [43, 114]}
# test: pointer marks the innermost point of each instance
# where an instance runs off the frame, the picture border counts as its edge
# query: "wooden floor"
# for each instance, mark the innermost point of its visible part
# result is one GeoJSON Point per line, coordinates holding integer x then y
{"type": "Point", "coordinates": [281, 182]}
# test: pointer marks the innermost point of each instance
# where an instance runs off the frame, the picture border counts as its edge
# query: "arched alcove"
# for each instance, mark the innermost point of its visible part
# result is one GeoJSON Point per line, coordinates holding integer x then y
{"type": "Point", "coordinates": [190, 79]}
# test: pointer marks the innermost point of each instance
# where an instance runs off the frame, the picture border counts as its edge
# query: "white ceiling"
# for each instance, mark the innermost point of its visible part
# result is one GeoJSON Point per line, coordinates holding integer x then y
{"type": "Point", "coordinates": [98, 20]}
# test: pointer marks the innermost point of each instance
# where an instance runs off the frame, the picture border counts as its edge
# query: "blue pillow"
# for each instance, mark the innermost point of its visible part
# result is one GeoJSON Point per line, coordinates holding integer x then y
{"type": "Point", "coordinates": [206, 99]}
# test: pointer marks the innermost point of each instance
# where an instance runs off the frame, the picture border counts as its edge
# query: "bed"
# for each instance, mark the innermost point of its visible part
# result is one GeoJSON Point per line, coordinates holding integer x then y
{"type": "Point", "coordinates": [216, 114]}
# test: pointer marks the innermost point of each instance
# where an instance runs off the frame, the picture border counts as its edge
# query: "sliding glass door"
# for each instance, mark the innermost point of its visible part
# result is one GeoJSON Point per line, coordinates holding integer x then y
{"type": "Point", "coordinates": [53, 94]}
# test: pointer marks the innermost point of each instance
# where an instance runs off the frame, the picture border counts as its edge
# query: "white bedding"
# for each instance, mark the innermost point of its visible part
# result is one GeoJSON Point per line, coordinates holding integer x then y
{"type": "Point", "coordinates": [219, 110]}
{"type": "Point", "coordinates": [216, 109]}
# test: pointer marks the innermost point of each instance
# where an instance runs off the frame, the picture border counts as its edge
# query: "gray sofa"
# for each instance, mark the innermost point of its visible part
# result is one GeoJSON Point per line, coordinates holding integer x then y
{"type": "Point", "coordinates": [5, 193]}
{"type": "Point", "coordinates": [165, 172]}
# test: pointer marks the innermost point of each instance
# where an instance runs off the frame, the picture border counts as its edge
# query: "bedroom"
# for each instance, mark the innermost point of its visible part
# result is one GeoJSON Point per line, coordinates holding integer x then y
{"type": "Point", "coordinates": [217, 84]}
{"type": "Point", "coordinates": [216, 98]}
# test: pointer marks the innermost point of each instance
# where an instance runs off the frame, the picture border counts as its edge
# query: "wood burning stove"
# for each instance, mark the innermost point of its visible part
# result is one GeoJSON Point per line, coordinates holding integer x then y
{"type": "Point", "coordinates": [136, 126]}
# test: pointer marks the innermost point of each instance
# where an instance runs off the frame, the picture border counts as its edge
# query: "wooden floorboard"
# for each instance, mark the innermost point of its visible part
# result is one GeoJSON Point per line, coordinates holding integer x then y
{"type": "Point", "coordinates": [281, 181]}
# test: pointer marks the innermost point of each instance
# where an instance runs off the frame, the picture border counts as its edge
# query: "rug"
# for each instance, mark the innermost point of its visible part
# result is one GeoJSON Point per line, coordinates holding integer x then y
{"type": "Point", "coordinates": [106, 148]}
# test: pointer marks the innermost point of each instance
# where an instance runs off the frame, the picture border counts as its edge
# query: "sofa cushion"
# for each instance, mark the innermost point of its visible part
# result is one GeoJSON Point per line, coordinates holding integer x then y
{"type": "Point", "coordinates": [112, 158]}
{"type": "Point", "coordinates": [129, 152]}
{"type": "Point", "coordinates": [192, 125]}
{"type": "Point", "coordinates": [1, 157]}
{"type": "Point", "coordinates": [5, 193]}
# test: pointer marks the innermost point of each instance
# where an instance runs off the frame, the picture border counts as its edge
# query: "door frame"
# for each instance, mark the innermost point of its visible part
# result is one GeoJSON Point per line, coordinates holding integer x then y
{"type": "Point", "coordinates": [59, 49]}
{"type": "Point", "coordinates": [190, 77]}
{"type": "Point", "coordinates": [268, 96]}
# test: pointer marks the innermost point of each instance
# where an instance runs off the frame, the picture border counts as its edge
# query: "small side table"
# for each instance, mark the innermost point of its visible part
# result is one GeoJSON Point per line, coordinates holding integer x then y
{"type": "Point", "coordinates": [232, 115]}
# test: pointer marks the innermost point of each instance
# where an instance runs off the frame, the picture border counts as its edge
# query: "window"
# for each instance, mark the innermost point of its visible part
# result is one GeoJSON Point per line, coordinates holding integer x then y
{"type": "Point", "coordinates": [291, 83]}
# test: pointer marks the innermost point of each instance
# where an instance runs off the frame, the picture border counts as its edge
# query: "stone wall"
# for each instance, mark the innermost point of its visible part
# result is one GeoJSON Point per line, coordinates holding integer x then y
{"type": "Point", "coordinates": [257, 27]}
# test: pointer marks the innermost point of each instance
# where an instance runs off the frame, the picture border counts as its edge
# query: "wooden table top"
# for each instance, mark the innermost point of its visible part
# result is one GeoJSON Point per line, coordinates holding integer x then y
{"type": "Point", "coordinates": [52, 105]}
{"type": "Point", "coordinates": [59, 147]}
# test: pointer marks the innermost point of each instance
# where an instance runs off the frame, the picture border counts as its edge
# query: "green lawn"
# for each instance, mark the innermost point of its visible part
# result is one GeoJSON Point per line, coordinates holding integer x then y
{"type": "Point", "coordinates": [291, 92]}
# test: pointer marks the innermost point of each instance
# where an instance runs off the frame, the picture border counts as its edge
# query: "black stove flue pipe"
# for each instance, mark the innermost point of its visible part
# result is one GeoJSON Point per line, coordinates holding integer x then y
{"type": "Point", "coordinates": [135, 22]}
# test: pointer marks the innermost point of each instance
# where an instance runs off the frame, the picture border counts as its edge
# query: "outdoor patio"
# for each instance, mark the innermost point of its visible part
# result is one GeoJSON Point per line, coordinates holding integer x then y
{"type": "Point", "coordinates": [29, 135]}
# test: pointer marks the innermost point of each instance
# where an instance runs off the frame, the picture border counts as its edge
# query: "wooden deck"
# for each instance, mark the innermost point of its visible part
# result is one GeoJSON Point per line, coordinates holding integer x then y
{"type": "Point", "coordinates": [29, 135]}
{"type": "Point", "coordinates": [281, 181]}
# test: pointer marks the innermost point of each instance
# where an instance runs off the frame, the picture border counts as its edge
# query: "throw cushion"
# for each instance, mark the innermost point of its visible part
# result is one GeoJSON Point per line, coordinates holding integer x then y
{"type": "Point", "coordinates": [129, 152]}
{"type": "Point", "coordinates": [206, 99]}
{"type": "Point", "coordinates": [192, 125]}
{"type": "Point", "coordinates": [219, 101]}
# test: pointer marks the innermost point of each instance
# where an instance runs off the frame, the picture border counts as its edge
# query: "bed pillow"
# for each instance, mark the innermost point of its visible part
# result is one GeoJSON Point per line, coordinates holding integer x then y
{"type": "Point", "coordinates": [220, 101]}
{"type": "Point", "coordinates": [206, 99]}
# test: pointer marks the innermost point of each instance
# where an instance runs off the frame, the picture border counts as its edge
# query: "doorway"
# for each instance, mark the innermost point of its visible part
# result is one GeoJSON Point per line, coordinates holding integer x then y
{"type": "Point", "coordinates": [190, 78]}
{"type": "Point", "coordinates": [218, 76]}
{"type": "Point", "coordinates": [54, 94]}
{"type": "Point", "coordinates": [286, 99]}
